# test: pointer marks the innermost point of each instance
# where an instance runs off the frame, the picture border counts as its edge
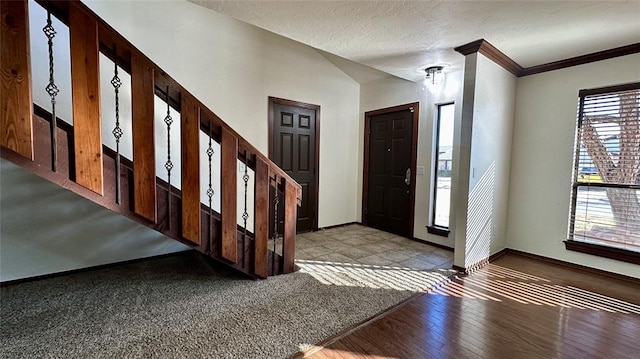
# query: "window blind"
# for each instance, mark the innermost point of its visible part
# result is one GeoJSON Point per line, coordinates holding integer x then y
{"type": "Point", "coordinates": [605, 207]}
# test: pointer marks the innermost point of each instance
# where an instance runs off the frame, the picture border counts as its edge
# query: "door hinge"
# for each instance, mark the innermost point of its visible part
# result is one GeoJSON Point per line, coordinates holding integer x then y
{"type": "Point", "coordinates": [411, 109]}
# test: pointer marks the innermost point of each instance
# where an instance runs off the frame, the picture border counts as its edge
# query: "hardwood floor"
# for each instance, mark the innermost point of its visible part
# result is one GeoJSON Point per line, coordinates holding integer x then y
{"type": "Point", "coordinates": [516, 307]}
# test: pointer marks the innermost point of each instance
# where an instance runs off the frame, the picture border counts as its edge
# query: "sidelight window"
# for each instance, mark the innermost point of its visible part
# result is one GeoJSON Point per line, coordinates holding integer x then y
{"type": "Point", "coordinates": [442, 170]}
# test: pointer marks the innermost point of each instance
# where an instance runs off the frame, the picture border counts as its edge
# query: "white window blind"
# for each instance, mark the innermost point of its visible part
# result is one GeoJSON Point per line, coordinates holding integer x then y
{"type": "Point", "coordinates": [605, 208]}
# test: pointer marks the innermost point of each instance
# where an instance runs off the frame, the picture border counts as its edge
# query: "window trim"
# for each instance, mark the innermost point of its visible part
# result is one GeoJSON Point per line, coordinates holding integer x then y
{"type": "Point", "coordinates": [603, 251]}
{"type": "Point", "coordinates": [433, 228]}
{"type": "Point", "coordinates": [615, 253]}
{"type": "Point", "coordinates": [438, 231]}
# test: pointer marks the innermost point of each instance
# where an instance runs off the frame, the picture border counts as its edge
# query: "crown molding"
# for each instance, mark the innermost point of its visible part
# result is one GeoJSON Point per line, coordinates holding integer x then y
{"type": "Point", "coordinates": [484, 47]}
{"type": "Point", "coordinates": [583, 59]}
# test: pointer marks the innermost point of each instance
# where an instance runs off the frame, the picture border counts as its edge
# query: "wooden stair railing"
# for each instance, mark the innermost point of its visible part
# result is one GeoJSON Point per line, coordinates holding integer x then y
{"type": "Point", "coordinates": [89, 168]}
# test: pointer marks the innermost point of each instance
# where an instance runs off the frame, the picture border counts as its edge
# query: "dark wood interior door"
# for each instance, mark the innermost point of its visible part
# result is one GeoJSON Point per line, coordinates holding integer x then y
{"type": "Point", "coordinates": [389, 178]}
{"type": "Point", "coordinates": [293, 148]}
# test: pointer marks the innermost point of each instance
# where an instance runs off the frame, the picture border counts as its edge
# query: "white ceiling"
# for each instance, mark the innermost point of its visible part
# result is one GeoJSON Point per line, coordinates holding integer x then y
{"type": "Point", "coordinates": [403, 37]}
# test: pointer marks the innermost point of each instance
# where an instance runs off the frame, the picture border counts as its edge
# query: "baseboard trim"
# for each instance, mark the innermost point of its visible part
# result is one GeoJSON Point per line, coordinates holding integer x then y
{"type": "Point", "coordinates": [88, 269]}
{"type": "Point", "coordinates": [441, 246]}
{"type": "Point", "coordinates": [578, 267]}
{"type": "Point", "coordinates": [498, 254]}
{"type": "Point", "coordinates": [338, 226]}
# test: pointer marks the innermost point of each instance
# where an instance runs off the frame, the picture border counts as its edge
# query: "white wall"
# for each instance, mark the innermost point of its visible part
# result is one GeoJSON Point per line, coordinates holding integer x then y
{"type": "Point", "coordinates": [487, 123]}
{"type": "Point", "coordinates": [392, 91]}
{"type": "Point", "coordinates": [542, 158]}
{"type": "Point", "coordinates": [233, 68]}
{"type": "Point", "coordinates": [47, 229]}
{"type": "Point", "coordinates": [493, 119]}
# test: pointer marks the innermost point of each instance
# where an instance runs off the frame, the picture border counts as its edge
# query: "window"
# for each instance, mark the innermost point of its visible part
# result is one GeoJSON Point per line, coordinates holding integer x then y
{"type": "Point", "coordinates": [442, 170]}
{"type": "Point", "coordinates": [605, 202]}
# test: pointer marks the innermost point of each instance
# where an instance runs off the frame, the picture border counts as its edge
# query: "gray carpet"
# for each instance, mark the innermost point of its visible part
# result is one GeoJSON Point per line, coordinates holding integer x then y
{"type": "Point", "coordinates": [188, 306]}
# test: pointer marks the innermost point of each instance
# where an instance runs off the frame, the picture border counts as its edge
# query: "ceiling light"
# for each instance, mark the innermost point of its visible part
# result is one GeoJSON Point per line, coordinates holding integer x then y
{"type": "Point", "coordinates": [434, 75]}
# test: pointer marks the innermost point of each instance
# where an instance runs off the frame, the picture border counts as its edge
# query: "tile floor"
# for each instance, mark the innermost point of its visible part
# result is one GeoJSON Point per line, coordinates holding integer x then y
{"type": "Point", "coordinates": [363, 245]}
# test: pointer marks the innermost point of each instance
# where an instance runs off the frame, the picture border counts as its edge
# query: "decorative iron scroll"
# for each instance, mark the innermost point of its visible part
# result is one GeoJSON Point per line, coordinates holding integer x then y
{"type": "Point", "coordinates": [210, 191]}
{"type": "Point", "coordinates": [168, 165]}
{"type": "Point", "coordinates": [245, 214]}
{"type": "Point", "coordinates": [52, 90]}
{"type": "Point", "coordinates": [117, 131]}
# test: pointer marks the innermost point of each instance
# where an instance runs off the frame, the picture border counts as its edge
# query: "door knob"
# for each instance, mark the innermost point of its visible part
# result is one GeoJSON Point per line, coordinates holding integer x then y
{"type": "Point", "coordinates": [407, 176]}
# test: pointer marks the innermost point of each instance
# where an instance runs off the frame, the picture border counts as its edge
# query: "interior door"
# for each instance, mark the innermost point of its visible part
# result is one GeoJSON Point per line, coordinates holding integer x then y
{"type": "Point", "coordinates": [294, 149]}
{"type": "Point", "coordinates": [389, 193]}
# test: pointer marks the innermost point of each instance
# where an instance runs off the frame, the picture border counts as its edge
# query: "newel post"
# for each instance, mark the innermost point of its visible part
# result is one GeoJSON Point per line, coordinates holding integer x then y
{"type": "Point", "coordinates": [290, 219]}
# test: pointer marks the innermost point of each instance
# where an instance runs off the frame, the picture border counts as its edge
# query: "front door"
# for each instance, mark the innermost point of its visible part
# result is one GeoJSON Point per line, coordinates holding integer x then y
{"type": "Point", "coordinates": [390, 163]}
{"type": "Point", "coordinates": [293, 147]}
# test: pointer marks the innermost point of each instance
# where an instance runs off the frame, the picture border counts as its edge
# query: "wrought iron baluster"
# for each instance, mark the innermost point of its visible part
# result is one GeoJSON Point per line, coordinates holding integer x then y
{"type": "Point", "coordinates": [276, 202]}
{"type": "Point", "coordinates": [168, 165]}
{"type": "Point", "coordinates": [245, 214]}
{"type": "Point", "coordinates": [52, 90]}
{"type": "Point", "coordinates": [117, 131]}
{"type": "Point", "coordinates": [210, 191]}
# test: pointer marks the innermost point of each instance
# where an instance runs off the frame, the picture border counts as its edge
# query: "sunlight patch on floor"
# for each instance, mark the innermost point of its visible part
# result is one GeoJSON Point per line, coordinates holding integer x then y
{"type": "Point", "coordinates": [373, 276]}
{"type": "Point", "coordinates": [498, 283]}
{"type": "Point", "coordinates": [337, 353]}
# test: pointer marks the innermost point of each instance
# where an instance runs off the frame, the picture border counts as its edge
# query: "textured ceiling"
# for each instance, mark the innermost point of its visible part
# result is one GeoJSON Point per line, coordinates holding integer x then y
{"type": "Point", "coordinates": [403, 37]}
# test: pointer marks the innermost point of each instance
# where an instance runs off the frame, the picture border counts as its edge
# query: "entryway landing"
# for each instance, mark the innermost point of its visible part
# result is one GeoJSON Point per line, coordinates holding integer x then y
{"type": "Point", "coordinates": [358, 244]}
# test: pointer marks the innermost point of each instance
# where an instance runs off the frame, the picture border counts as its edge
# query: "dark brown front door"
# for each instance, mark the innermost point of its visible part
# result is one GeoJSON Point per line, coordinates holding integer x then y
{"type": "Point", "coordinates": [390, 164]}
{"type": "Point", "coordinates": [293, 147]}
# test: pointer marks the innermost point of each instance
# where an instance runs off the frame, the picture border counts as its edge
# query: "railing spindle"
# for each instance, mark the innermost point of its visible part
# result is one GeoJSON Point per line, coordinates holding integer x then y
{"type": "Point", "coordinates": [245, 214]}
{"type": "Point", "coordinates": [168, 165]}
{"type": "Point", "coordinates": [53, 91]}
{"type": "Point", "coordinates": [210, 191]}
{"type": "Point", "coordinates": [117, 131]}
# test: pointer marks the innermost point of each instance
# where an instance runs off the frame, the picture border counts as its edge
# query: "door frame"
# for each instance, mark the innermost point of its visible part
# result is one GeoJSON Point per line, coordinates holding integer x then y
{"type": "Point", "coordinates": [280, 101]}
{"type": "Point", "coordinates": [415, 108]}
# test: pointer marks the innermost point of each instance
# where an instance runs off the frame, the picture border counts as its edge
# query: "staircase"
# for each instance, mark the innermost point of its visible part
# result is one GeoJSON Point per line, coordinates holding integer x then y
{"type": "Point", "coordinates": [75, 157]}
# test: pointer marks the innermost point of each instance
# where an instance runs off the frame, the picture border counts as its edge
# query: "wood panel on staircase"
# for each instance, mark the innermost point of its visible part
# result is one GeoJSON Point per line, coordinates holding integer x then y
{"type": "Point", "coordinates": [15, 91]}
{"type": "Point", "coordinates": [190, 142]}
{"type": "Point", "coordinates": [144, 159]}
{"type": "Point", "coordinates": [261, 225]}
{"type": "Point", "coordinates": [229, 203]}
{"type": "Point", "coordinates": [85, 85]}
{"type": "Point", "coordinates": [290, 219]}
